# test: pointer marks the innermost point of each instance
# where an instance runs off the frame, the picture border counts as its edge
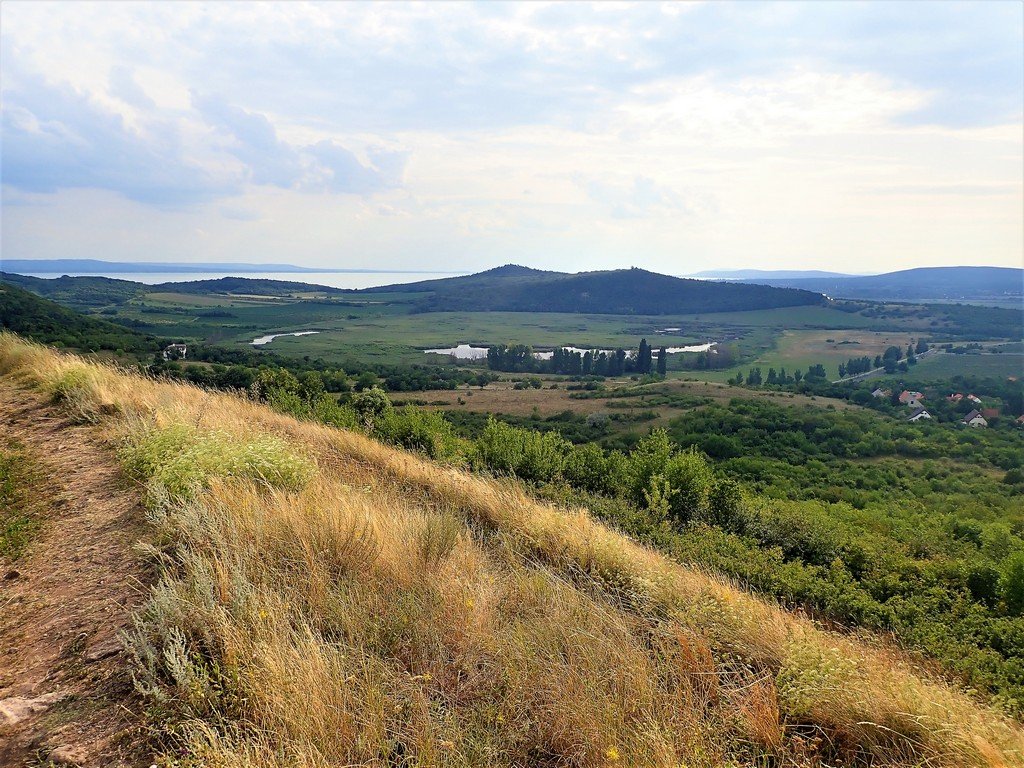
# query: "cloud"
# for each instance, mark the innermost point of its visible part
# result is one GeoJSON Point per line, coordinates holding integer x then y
{"type": "Point", "coordinates": [641, 198]}
{"type": "Point", "coordinates": [324, 166]}
{"type": "Point", "coordinates": [57, 138]}
{"type": "Point", "coordinates": [124, 87]}
{"type": "Point", "coordinates": [266, 159]}
{"type": "Point", "coordinates": [404, 129]}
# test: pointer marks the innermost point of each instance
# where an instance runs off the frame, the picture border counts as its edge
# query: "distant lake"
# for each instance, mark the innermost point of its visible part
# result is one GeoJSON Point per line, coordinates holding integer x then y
{"type": "Point", "coordinates": [260, 341]}
{"type": "Point", "coordinates": [469, 352]}
{"type": "Point", "coordinates": [332, 279]}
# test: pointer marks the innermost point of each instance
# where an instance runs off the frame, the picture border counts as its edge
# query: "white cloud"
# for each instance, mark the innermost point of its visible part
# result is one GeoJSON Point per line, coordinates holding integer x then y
{"type": "Point", "coordinates": [559, 134]}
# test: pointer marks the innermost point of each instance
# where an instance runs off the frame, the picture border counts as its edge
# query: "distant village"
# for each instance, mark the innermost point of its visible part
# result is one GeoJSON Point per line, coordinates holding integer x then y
{"type": "Point", "coordinates": [978, 417]}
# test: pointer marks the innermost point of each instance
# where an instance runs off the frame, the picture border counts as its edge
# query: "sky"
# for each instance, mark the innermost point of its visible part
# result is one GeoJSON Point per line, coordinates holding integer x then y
{"type": "Point", "coordinates": [678, 137]}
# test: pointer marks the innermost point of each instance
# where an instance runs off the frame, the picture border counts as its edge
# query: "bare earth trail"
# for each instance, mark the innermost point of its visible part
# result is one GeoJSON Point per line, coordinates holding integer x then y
{"type": "Point", "coordinates": [66, 694]}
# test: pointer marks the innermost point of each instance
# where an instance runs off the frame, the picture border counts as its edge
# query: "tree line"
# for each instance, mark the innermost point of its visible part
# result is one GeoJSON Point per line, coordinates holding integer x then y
{"type": "Point", "coordinates": [521, 358]}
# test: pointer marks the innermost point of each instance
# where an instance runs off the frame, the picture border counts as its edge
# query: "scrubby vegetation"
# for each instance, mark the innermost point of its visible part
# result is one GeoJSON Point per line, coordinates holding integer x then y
{"type": "Point", "coordinates": [378, 608]}
{"type": "Point", "coordinates": [863, 520]}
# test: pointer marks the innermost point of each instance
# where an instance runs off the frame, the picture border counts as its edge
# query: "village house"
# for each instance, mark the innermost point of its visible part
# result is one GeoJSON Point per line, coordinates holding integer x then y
{"type": "Point", "coordinates": [175, 351]}
{"type": "Point", "coordinates": [1020, 420]}
{"type": "Point", "coordinates": [974, 399]}
{"type": "Point", "coordinates": [989, 413]}
{"type": "Point", "coordinates": [918, 414]}
{"type": "Point", "coordinates": [911, 399]}
{"type": "Point", "coordinates": [974, 419]}
{"type": "Point", "coordinates": [879, 392]}
{"type": "Point", "coordinates": [956, 397]}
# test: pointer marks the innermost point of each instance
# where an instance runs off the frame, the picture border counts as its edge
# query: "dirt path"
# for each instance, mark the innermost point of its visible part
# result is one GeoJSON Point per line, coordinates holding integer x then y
{"type": "Point", "coordinates": [65, 689]}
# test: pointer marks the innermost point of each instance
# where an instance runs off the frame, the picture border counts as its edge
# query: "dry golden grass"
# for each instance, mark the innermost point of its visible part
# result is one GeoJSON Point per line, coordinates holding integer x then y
{"type": "Point", "coordinates": [379, 609]}
{"type": "Point", "coordinates": [500, 397]}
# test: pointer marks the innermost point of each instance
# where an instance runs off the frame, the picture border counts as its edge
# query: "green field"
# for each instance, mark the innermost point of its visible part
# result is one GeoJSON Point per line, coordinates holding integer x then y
{"type": "Point", "coordinates": [942, 366]}
{"type": "Point", "coordinates": [381, 327]}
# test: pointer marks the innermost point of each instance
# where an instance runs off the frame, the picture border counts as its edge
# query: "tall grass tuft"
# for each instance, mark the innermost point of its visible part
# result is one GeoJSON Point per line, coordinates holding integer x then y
{"type": "Point", "coordinates": [178, 461]}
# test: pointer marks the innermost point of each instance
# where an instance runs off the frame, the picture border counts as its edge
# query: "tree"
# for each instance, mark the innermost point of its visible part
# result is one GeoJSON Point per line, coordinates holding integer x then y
{"type": "Point", "coordinates": [372, 405]}
{"type": "Point", "coordinates": [618, 363]}
{"type": "Point", "coordinates": [662, 362]}
{"type": "Point", "coordinates": [643, 358]}
{"type": "Point", "coordinates": [366, 380]}
{"type": "Point", "coordinates": [1011, 582]}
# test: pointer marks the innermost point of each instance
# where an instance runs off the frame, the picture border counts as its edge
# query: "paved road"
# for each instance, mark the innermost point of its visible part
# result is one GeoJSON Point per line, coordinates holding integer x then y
{"type": "Point", "coordinates": [875, 371]}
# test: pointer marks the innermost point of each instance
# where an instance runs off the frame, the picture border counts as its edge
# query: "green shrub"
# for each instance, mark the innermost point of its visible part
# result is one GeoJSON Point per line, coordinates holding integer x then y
{"type": "Point", "coordinates": [528, 454]}
{"type": "Point", "coordinates": [372, 405]}
{"type": "Point", "coordinates": [419, 430]}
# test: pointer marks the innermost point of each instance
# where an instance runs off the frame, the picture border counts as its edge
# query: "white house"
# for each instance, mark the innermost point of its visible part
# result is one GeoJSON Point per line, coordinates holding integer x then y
{"type": "Point", "coordinates": [175, 351]}
{"type": "Point", "coordinates": [919, 414]}
{"type": "Point", "coordinates": [879, 392]}
{"type": "Point", "coordinates": [974, 419]}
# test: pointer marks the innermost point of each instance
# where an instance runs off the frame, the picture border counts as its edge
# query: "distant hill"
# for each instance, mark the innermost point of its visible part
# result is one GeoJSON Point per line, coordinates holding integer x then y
{"type": "Point", "coordinates": [99, 267]}
{"type": "Point", "coordinates": [944, 283]}
{"type": "Point", "coordinates": [245, 285]}
{"type": "Point", "coordinates": [498, 276]}
{"type": "Point", "coordinates": [513, 288]}
{"type": "Point", "coordinates": [766, 274]}
{"type": "Point", "coordinates": [90, 293]}
{"type": "Point", "coordinates": [78, 292]}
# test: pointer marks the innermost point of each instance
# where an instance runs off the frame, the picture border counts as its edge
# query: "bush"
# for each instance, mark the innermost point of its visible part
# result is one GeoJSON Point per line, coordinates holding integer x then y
{"type": "Point", "coordinates": [528, 454]}
{"type": "Point", "coordinates": [419, 430]}
{"type": "Point", "coordinates": [372, 405]}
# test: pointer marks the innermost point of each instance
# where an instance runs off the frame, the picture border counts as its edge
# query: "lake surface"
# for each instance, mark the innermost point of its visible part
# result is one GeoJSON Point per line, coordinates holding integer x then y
{"type": "Point", "coordinates": [352, 280]}
{"type": "Point", "coordinates": [261, 340]}
{"type": "Point", "coordinates": [461, 352]}
{"type": "Point", "coordinates": [467, 352]}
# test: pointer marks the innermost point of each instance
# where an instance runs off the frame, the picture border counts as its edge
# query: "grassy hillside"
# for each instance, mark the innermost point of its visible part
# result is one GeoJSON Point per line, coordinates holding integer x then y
{"type": "Point", "coordinates": [327, 600]}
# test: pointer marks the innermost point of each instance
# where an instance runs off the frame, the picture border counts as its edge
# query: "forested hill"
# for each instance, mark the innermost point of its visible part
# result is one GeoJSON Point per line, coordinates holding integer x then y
{"type": "Point", "coordinates": [498, 277]}
{"type": "Point", "coordinates": [620, 292]}
{"type": "Point", "coordinates": [43, 320]}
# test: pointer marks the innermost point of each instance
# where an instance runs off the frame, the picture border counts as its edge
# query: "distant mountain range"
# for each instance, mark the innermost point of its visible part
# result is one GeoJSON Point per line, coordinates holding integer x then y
{"type": "Point", "coordinates": [98, 267]}
{"type": "Point", "coordinates": [923, 283]}
{"type": "Point", "coordinates": [513, 288]}
{"type": "Point", "coordinates": [625, 291]}
{"type": "Point", "coordinates": [765, 274]}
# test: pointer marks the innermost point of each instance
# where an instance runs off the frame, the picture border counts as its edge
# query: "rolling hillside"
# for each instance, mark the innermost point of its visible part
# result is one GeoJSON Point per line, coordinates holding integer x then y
{"type": "Point", "coordinates": [323, 599]}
